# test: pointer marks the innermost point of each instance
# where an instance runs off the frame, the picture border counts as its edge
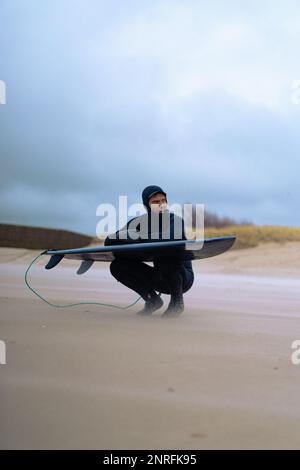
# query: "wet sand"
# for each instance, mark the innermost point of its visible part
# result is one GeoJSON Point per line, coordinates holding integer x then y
{"type": "Point", "coordinates": [218, 377]}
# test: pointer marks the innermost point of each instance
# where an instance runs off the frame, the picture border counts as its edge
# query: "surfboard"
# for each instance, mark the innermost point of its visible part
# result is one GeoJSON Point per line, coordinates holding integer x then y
{"type": "Point", "coordinates": [180, 249]}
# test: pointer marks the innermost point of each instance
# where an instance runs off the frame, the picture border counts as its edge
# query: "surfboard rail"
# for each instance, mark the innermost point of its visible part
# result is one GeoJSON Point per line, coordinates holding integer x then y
{"type": "Point", "coordinates": [149, 251]}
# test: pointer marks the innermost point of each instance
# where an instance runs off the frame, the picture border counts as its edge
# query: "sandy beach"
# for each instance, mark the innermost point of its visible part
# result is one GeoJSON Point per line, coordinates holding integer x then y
{"type": "Point", "coordinates": [218, 377]}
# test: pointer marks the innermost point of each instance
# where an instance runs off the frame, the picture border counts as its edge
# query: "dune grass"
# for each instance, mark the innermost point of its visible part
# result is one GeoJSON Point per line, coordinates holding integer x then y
{"type": "Point", "coordinates": [247, 236]}
{"type": "Point", "coordinates": [251, 235]}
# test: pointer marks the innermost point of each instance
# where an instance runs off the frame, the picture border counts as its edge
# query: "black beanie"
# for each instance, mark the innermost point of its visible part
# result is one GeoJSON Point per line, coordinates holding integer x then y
{"type": "Point", "coordinates": [150, 191]}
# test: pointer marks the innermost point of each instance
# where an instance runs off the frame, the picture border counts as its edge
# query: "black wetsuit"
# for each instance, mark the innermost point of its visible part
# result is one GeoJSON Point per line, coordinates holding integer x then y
{"type": "Point", "coordinates": [168, 275]}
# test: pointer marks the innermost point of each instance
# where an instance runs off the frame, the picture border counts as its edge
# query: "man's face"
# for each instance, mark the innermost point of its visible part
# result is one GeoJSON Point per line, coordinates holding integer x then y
{"type": "Point", "coordinates": [158, 203]}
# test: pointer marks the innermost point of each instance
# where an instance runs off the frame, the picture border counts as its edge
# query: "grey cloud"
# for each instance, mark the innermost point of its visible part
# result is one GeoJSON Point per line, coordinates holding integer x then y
{"type": "Point", "coordinates": [85, 121]}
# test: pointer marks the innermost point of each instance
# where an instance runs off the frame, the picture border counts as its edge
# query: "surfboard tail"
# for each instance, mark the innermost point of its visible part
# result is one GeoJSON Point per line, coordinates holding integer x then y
{"type": "Point", "coordinates": [85, 266]}
{"type": "Point", "coordinates": [53, 261]}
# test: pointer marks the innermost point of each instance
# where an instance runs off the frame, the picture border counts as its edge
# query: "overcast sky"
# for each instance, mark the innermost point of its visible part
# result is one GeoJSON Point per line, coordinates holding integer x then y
{"type": "Point", "coordinates": [106, 97]}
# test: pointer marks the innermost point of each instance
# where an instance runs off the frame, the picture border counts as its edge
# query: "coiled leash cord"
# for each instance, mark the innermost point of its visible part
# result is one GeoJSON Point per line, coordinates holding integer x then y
{"type": "Point", "coordinates": [70, 305]}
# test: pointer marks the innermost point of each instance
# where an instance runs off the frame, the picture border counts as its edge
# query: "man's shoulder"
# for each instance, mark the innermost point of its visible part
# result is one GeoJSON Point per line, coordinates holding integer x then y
{"type": "Point", "coordinates": [175, 216]}
{"type": "Point", "coordinates": [137, 221]}
{"type": "Point", "coordinates": [176, 219]}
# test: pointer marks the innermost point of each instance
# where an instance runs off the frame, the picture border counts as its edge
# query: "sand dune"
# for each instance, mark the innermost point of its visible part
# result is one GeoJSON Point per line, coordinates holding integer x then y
{"type": "Point", "coordinates": [220, 376]}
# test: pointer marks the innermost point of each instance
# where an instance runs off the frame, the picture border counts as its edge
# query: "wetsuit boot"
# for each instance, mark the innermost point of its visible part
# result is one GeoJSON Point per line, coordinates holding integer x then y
{"type": "Point", "coordinates": [152, 303]}
{"type": "Point", "coordinates": [175, 307]}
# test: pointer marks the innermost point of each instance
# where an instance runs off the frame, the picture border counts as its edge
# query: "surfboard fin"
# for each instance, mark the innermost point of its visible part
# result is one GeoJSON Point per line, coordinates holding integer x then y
{"type": "Point", "coordinates": [53, 261]}
{"type": "Point", "coordinates": [85, 266]}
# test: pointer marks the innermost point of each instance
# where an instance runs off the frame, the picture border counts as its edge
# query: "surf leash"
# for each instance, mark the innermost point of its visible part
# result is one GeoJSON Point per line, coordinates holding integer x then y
{"type": "Point", "coordinates": [69, 305]}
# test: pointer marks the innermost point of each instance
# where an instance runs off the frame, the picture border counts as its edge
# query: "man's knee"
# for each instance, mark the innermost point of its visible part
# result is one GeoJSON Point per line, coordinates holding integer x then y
{"type": "Point", "coordinates": [117, 267]}
{"type": "Point", "coordinates": [187, 283]}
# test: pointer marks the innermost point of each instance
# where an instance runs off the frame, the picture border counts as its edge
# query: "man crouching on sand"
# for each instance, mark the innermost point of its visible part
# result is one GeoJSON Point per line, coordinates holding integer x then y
{"type": "Point", "coordinates": [167, 276]}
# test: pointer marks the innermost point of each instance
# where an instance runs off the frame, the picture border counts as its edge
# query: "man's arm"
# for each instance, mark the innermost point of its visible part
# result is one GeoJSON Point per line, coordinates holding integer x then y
{"type": "Point", "coordinates": [173, 230]}
{"type": "Point", "coordinates": [123, 236]}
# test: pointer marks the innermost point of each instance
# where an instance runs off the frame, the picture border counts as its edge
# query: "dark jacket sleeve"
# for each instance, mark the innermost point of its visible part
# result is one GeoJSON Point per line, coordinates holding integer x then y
{"type": "Point", "coordinates": [177, 230]}
{"type": "Point", "coordinates": [172, 229]}
{"type": "Point", "coordinates": [114, 239]}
